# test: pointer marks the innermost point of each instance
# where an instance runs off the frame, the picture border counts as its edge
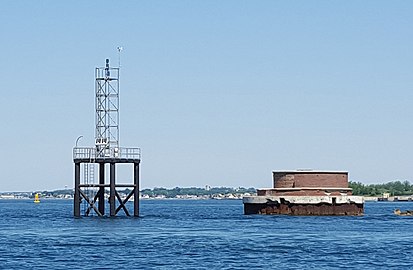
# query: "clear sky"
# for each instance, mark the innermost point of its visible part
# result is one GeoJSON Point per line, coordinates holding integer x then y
{"type": "Point", "coordinates": [214, 92]}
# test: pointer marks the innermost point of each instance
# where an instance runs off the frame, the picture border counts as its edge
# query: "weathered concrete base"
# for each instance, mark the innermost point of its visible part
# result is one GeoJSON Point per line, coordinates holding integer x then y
{"type": "Point", "coordinates": [304, 205]}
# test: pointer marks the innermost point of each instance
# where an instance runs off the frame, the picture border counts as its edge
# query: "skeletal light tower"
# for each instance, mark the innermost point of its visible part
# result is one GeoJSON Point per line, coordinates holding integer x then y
{"type": "Point", "coordinates": [107, 111]}
{"type": "Point", "coordinates": [105, 151]}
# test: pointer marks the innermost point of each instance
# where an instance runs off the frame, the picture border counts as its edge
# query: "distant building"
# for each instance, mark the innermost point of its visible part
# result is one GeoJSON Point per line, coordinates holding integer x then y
{"type": "Point", "coordinates": [7, 196]}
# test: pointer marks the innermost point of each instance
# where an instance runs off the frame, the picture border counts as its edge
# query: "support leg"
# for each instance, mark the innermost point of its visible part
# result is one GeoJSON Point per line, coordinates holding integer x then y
{"type": "Point", "coordinates": [112, 190]}
{"type": "Point", "coordinates": [136, 193]}
{"type": "Point", "coordinates": [101, 204]}
{"type": "Point", "coordinates": [76, 199]}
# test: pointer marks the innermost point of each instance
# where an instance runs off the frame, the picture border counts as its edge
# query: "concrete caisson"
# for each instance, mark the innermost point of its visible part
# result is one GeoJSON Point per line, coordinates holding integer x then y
{"type": "Point", "coordinates": [306, 192]}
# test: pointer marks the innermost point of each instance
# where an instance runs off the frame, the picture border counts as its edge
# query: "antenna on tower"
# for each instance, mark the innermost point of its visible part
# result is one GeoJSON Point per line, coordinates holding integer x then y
{"type": "Point", "coordinates": [119, 50]}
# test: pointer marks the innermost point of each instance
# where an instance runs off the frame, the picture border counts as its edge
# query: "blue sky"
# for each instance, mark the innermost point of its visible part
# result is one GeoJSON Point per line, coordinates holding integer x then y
{"type": "Point", "coordinates": [214, 92]}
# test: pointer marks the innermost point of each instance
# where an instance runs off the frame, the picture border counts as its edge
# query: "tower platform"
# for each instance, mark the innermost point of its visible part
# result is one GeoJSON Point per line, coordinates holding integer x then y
{"type": "Point", "coordinates": [92, 155]}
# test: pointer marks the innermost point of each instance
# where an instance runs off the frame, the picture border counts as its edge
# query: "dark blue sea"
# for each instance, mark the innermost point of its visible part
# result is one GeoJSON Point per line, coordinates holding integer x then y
{"type": "Point", "coordinates": [201, 234]}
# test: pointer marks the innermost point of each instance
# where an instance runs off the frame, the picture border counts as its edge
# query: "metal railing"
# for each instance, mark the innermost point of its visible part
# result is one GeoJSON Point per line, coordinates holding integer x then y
{"type": "Point", "coordinates": [92, 153]}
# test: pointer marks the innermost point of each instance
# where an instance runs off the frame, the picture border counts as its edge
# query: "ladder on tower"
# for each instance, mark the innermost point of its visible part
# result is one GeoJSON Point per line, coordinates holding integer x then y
{"type": "Point", "coordinates": [91, 173]}
{"type": "Point", "coordinates": [88, 179]}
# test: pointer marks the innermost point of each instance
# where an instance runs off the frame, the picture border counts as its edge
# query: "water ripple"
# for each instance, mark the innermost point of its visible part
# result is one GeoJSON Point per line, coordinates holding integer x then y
{"type": "Point", "coordinates": [201, 235]}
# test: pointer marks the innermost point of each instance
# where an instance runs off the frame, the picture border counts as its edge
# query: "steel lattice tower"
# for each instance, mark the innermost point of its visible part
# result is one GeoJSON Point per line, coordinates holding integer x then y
{"type": "Point", "coordinates": [106, 151]}
{"type": "Point", "coordinates": [107, 111]}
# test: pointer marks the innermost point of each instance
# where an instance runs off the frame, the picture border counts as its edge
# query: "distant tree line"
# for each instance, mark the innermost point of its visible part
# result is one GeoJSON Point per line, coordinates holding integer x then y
{"type": "Point", "coordinates": [168, 193]}
{"type": "Point", "coordinates": [54, 193]}
{"type": "Point", "coordinates": [194, 191]}
{"type": "Point", "coordinates": [395, 188]}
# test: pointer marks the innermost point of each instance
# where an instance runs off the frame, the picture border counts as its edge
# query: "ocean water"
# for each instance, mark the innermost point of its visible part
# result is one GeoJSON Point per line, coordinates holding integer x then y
{"type": "Point", "coordinates": [201, 234]}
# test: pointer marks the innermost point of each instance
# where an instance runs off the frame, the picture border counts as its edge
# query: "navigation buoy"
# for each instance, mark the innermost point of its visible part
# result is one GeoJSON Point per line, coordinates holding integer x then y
{"type": "Point", "coordinates": [36, 198]}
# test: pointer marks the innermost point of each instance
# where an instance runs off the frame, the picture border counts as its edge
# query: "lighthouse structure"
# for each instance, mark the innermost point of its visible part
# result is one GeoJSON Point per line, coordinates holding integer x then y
{"type": "Point", "coordinates": [106, 154]}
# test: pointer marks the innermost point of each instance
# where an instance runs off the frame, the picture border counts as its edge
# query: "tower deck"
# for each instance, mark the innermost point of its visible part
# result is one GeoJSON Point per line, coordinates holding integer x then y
{"type": "Point", "coordinates": [119, 155]}
{"type": "Point", "coordinates": [88, 155]}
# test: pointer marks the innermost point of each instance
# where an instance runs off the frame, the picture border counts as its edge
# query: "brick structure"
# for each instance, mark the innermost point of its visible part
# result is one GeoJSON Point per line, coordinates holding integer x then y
{"type": "Point", "coordinates": [302, 179]}
{"type": "Point", "coordinates": [306, 192]}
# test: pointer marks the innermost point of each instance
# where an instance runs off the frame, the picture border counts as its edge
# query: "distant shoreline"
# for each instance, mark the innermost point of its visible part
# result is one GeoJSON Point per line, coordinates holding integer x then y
{"type": "Point", "coordinates": [366, 199]}
{"type": "Point", "coordinates": [142, 199]}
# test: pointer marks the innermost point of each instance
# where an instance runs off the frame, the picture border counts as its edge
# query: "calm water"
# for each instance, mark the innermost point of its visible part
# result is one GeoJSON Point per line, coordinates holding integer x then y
{"type": "Point", "coordinates": [186, 234]}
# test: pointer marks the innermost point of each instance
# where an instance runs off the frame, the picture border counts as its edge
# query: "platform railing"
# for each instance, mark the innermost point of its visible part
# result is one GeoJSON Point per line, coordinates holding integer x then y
{"type": "Point", "coordinates": [93, 153]}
